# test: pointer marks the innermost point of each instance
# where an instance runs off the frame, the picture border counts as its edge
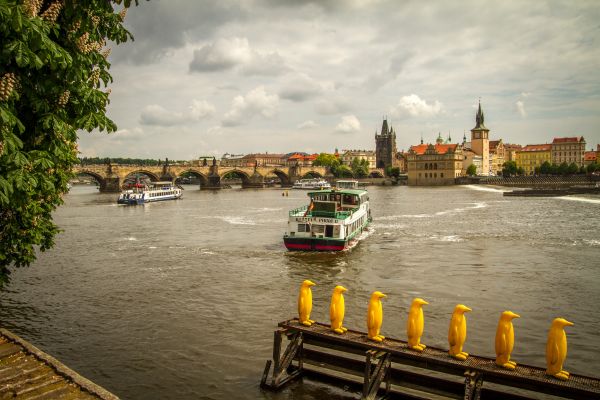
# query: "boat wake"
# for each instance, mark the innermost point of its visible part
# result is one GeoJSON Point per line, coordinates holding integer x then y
{"type": "Point", "coordinates": [363, 235]}
{"type": "Point", "coordinates": [486, 189]}
{"type": "Point", "coordinates": [457, 210]}
{"type": "Point", "coordinates": [581, 199]}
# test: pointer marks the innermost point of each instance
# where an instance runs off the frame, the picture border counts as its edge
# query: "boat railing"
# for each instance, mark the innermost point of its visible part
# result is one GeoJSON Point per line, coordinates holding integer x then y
{"type": "Point", "coordinates": [298, 211]}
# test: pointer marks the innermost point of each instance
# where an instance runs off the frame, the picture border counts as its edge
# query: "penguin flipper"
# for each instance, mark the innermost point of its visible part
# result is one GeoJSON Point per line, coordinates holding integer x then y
{"type": "Point", "coordinates": [554, 353]}
{"type": "Point", "coordinates": [453, 335]}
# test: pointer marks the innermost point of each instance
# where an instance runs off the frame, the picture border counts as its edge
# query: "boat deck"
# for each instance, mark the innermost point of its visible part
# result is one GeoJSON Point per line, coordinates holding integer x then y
{"type": "Point", "coordinates": [28, 373]}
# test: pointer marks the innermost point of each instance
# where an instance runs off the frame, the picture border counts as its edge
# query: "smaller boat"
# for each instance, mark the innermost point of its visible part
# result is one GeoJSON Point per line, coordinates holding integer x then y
{"type": "Point", "coordinates": [346, 184]}
{"type": "Point", "coordinates": [154, 191]}
{"type": "Point", "coordinates": [311, 184]}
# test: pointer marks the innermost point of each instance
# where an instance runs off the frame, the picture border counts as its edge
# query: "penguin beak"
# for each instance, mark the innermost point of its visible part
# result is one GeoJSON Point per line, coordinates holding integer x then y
{"type": "Point", "coordinates": [516, 315]}
{"type": "Point", "coordinates": [343, 289]}
{"type": "Point", "coordinates": [567, 323]}
{"type": "Point", "coordinates": [422, 302]}
{"type": "Point", "coordinates": [465, 309]}
{"type": "Point", "coordinates": [310, 283]}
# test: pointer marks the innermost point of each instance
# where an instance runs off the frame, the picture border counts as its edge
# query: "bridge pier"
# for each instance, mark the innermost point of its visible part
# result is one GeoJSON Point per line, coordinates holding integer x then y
{"type": "Point", "coordinates": [110, 185]}
{"type": "Point", "coordinates": [256, 181]}
{"type": "Point", "coordinates": [214, 183]}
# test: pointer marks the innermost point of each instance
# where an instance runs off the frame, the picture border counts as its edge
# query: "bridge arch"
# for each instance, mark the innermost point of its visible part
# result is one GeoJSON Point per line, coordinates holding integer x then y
{"type": "Point", "coordinates": [99, 178]}
{"type": "Point", "coordinates": [203, 178]}
{"type": "Point", "coordinates": [153, 177]}
{"type": "Point", "coordinates": [283, 176]}
{"type": "Point", "coordinates": [376, 174]}
{"type": "Point", "coordinates": [238, 173]}
{"type": "Point", "coordinates": [311, 174]}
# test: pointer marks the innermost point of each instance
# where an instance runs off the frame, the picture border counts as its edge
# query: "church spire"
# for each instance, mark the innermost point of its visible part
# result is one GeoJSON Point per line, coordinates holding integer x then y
{"type": "Point", "coordinates": [384, 127]}
{"type": "Point", "coordinates": [479, 118]}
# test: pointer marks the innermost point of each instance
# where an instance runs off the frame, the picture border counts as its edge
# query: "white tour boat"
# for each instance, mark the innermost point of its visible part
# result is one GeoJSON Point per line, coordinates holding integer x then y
{"type": "Point", "coordinates": [333, 219]}
{"type": "Point", "coordinates": [154, 191]}
{"type": "Point", "coordinates": [311, 184]}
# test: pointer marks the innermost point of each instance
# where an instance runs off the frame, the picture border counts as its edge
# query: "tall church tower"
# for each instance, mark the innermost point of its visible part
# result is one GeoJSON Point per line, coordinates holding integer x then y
{"type": "Point", "coordinates": [385, 146]}
{"type": "Point", "coordinates": [480, 141]}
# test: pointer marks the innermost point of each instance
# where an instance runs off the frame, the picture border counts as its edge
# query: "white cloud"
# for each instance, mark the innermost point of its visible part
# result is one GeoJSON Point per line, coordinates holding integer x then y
{"type": "Point", "coordinates": [300, 88]}
{"type": "Point", "coordinates": [256, 102]}
{"type": "Point", "coordinates": [226, 54]}
{"type": "Point", "coordinates": [414, 106]}
{"type": "Point", "coordinates": [154, 114]}
{"type": "Point", "coordinates": [201, 109]}
{"type": "Point", "coordinates": [332, 106]}
{"type": "Point", "coordinates": [521, 108]}
{"type": "Point", "coordinates": [348, 124]}
{"type": "Point", "coordinates": [220, 55]}
{"type": "Point", "coordinates": [307, 124]}
{"type": "Point", "coordinates": [157, 115]}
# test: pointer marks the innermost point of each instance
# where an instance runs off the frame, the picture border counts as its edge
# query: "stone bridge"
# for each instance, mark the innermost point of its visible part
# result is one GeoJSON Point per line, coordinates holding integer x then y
{"type": "Point", "coordinates": [112, 176]}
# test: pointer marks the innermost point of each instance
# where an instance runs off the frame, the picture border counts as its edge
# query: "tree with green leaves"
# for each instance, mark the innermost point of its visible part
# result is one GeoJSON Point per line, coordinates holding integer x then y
{"type": "Point", "coordinates": [545, 168]}
{"type": "Point", "coordinates": [509, 168]}
{"type": "Point", "coordinates": [53, 78]}
{"type": "Point", "coordinates": [360, 167]}
{"type": "Point", "coordinates": [471, 170]}
{"type": "Point", "coordinates": [326, 160]}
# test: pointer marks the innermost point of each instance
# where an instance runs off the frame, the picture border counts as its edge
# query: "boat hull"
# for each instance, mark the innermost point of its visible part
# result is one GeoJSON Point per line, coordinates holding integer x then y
{"type": "Point", "coordinates": [314, 244]}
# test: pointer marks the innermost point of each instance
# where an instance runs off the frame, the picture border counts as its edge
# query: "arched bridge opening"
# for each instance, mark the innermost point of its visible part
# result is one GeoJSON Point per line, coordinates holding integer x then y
{"type": "Point", "coordinates": [138, 177]}
{"type": "Point", "coordinates": [235, 177]}
{"type": "Point", "coordinates": [89, 178]}
{"type": "Point", "coordinates": [192, 177]}
{"type": "Point", "coordinates": [277, 177]}
{"type": "Point", "coordinates": [376, 174]}
{"type": "Point", "coordinates": [311, 174]}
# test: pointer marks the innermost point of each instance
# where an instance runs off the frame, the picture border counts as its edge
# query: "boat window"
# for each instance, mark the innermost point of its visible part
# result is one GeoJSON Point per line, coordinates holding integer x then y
{"type": "Point", "coordinates": [303, 228]}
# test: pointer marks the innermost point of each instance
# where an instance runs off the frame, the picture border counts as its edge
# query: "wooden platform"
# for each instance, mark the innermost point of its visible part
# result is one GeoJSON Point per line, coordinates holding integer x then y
{"type": "Point", "coordinates": [28, 373]}
{"type": "Point", "coordinates": [407, 373]}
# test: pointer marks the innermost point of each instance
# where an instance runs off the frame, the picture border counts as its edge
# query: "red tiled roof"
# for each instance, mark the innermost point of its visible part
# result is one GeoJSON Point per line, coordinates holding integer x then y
{"type": "Point", "coordinates": [494, 144]}
{"type": "Point", "coordinates": [439, 148]}
{"type": "Point", "coordinates": [575, 139]}
{"type": "Point", "coordinates": [590, 156]}
{"type": "Point", "coordinates": [537, 147]}
{"type": "Point", "coordinates": [509, 146]}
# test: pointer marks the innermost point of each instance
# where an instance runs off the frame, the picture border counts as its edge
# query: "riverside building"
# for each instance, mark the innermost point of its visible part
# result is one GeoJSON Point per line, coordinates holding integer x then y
{"type": "Point", "coordinates": [434, 165]}
{"type": "Point", "coordinates": [568, 150]}
{"type": "Point", "coordinates": [533, 155]}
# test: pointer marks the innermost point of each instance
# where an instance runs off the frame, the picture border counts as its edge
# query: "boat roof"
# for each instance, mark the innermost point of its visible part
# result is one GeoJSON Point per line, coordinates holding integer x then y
{"type": "Point", "coordinates": [162, 183]}
{"type": "Point", "coordinates": [357, 192]}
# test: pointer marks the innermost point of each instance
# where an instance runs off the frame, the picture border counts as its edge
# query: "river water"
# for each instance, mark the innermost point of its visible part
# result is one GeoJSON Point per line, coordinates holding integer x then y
{"type": "Point", "coordinates": [179, 299]}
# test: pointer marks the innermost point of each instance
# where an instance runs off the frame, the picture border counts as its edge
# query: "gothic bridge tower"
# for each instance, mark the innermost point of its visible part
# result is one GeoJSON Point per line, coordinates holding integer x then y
{"type": "Point", "coordinates": [385, 146]}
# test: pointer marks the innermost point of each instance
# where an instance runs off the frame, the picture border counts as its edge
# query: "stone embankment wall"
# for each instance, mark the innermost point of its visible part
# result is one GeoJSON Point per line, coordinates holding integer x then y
{"type": "Point", "coordinates": [531, 181]}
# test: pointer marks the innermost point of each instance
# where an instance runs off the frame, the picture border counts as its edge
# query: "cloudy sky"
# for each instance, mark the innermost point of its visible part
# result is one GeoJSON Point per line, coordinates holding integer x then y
{"type": "Point", "coordinates": [209, 77]}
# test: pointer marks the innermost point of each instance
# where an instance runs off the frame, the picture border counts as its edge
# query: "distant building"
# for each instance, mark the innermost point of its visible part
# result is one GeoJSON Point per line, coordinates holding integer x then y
{"type": "Point", "coordinates": [203, 161]}
{"type": "Point", "coordinates": [385, 146]}
{"type": "Point", "coordinates": [568, 150]}
{"type": "Point", "coordinates": [533, 155]}
{"type": "Point", "coordinates": [402, 161]}
{"type": "Point", "coordinates": [480, 142]}
{"type": "Point", "coordinates": [510, 152]}
{"type": "Point", "coordinates": [496, 156]}
{"type": "Point", "coordinates": [470, 157]}
{"type": "Point", "coordinates": [348, 155]}
{"type": "Point", "coordinates": [434, 165]}
{"type": "Point", "coordinates": [265, 160]}
{"type": "Point", "coordinates": [301, 159]}
{"type": "Point", "coordinates": [232, 160]}
{"type": "Point", "coordinates": [590, 157]}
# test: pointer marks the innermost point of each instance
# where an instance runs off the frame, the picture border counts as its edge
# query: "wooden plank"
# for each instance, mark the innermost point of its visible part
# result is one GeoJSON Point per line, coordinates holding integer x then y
{"type": "Point", "coordinates": [524, 376]}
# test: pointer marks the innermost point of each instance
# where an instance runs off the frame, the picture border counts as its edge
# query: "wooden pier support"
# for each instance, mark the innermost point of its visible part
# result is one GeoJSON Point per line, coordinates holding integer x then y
{"type": "Point", "coordinates": [393, 370]}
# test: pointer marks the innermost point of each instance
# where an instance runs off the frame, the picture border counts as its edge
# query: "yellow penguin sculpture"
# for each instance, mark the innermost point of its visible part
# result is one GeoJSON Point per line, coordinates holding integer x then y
{"type": "Point", "coordinates": [305, 303]}
{"type": "Point", "coordinates": [556, 349]}
{"type": "Point", "coordinates": [375, 316]}
{"type": "Point", "coordinates": [337, 310]}
{"type": "Point", "coordinates": [457, 334]}
{"type": "Point", "coordinates": [505, 340]}
{"type": "Point", "coordinates": [415, 324]}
